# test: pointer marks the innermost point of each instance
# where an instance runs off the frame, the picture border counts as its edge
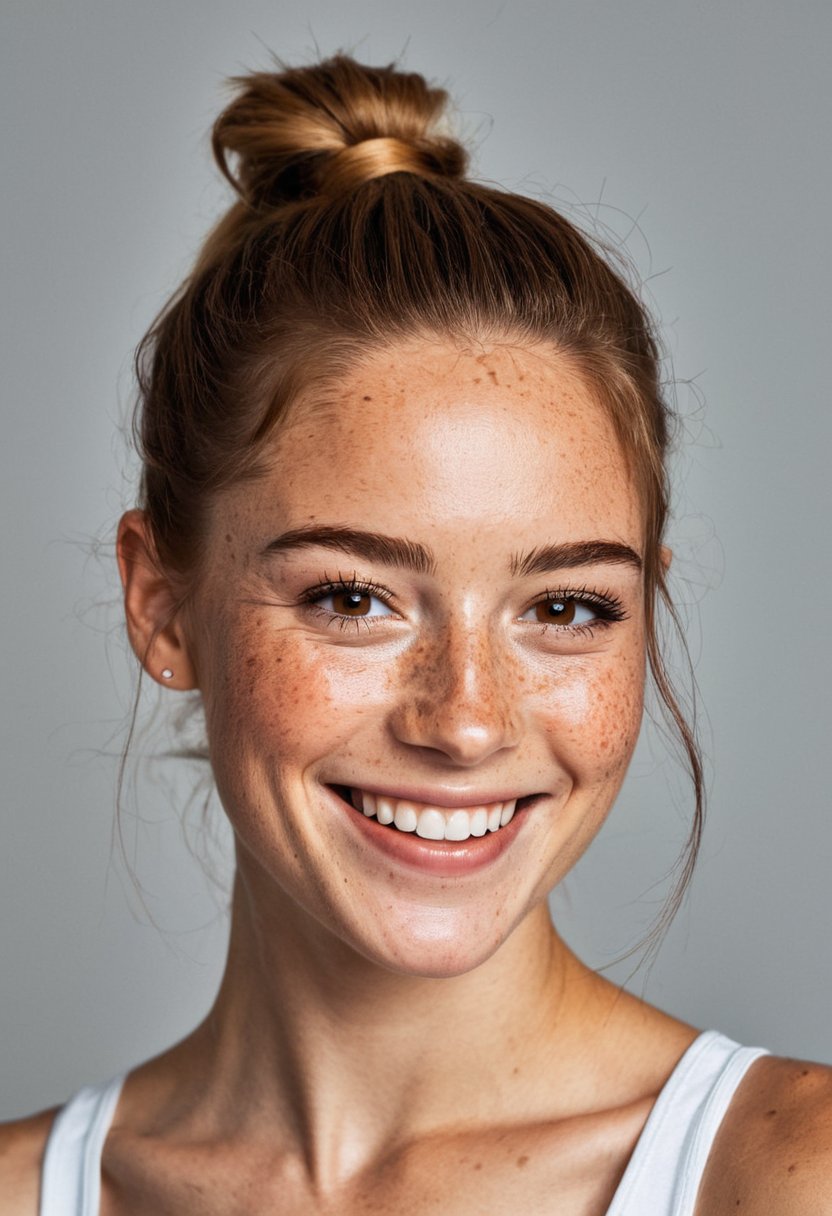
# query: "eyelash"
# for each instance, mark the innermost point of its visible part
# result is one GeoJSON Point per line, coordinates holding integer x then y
{"type": "Point", "coordinates": [352, 586]}
{"type": "Point", "coordinates": [608, 606]}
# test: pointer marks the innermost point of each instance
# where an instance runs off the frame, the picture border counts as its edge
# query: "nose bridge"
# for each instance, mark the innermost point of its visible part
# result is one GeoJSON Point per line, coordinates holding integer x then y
{"type": "Point", "coordinates": [459, 696]}
{"type": "Point", "coordinates": [469, 661]}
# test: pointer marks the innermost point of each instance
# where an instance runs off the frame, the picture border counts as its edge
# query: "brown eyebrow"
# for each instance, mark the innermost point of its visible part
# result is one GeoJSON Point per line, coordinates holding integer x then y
{"type": "Point", "coordinates": [410, 555]}
{"type": "Point", "coordinates": [574, 553]}
{"type": "Point", "coordinates": [390, 550]}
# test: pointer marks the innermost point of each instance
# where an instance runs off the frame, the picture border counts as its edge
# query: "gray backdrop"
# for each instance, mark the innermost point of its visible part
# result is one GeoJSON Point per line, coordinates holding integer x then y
{"type": "Point", "coordinates": [698, 133]}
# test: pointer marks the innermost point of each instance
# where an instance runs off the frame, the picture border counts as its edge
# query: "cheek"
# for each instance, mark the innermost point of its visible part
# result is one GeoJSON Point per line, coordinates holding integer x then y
{"type": "Point", "coordinates": [593, 718]}
{"type": "Point", "coordinates": [277, 698]}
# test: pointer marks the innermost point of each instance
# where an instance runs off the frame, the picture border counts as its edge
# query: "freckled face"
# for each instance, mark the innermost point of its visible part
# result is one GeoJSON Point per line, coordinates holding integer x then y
{"type": "Point", "coordinates": [473, 671]}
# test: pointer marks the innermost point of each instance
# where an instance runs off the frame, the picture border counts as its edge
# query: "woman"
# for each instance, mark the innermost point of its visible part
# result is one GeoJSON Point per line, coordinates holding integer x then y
{"type": "Point", "coordinates": [401, 527]}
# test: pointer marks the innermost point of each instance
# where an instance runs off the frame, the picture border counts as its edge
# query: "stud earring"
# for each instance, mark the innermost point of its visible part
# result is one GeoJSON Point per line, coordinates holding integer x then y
{"type": "Point", "coordinates": [167, 674]}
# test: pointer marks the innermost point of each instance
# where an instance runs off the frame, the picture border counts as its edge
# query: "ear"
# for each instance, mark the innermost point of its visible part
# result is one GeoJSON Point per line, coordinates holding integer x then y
{"type": "Point", "coordinates": [666, 556]}
{"type": "Point", "coordinates": [154, 624]}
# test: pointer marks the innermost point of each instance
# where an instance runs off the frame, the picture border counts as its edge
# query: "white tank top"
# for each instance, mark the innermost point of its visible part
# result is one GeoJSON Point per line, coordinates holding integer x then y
{"type": "Point", "coordinates": [662, 1177]}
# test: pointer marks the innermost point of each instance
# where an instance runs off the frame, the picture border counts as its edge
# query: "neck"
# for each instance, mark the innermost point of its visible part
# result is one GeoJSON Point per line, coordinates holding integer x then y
{"type": "Point", "coordinates": [341, 1057]}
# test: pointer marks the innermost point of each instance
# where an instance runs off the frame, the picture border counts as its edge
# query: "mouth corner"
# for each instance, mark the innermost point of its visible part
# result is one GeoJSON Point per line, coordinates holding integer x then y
{"type": "Point", "coordinates": [528, 800]}
{"type": "Point", "coordinates": [346, 793]}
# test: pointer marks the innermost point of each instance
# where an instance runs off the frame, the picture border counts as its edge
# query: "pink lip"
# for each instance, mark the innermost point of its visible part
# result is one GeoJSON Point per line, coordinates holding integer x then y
{"type": "Point", "coordinates": [443, 858]}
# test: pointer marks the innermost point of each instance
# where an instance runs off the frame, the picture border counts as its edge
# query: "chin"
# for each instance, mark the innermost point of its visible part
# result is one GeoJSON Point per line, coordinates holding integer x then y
{"type": "Point", "coordinates": [434, 943]}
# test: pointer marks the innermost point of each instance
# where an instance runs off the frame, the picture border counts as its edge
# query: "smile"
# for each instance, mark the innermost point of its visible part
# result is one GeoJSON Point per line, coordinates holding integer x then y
{"type": "Point", "coordinates": [433, 822]}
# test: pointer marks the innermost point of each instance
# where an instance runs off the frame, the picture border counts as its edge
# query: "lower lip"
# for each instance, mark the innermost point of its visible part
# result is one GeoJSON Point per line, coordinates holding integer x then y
{"type": "Point", "coordinates": [445, 858]}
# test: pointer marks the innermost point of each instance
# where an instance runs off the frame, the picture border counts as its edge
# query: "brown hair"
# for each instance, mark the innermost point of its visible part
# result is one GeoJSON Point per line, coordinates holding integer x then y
{"type": "Point", "coordinates": [355, 226]}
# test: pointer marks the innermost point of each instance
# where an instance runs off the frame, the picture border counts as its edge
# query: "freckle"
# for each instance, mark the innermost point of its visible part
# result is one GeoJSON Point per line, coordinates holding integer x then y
{"type": "Point", "coordinates": [769, 1113]}
{"type": "Point", "coordinates": [478, 1165]}
{"type": "Point", "coordinates": [792, 1169]}
{"type": "Point", "coordinates": [367, 398]}
{"type": "Point", "coordinates": [521, 1161]}
{"type": "Point", "coordinates": [228, 537]}
{"type": "Point", "coordinates": [805, 1072]}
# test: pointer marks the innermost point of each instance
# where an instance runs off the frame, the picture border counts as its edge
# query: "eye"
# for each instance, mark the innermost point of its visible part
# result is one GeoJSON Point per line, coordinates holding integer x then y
{"type": "Point", "coordinates": [565, 610]}
{"type": "Point", "coordinates": [353, 602]}
{"type": "Point", "coordinates": [349, 599]}
{"type": "Point", "coordinates": [580, 610]}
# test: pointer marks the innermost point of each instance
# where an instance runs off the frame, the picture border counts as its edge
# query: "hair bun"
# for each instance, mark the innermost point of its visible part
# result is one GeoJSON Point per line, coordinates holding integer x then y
{"type": "Point", "coordinates": [329, 128]}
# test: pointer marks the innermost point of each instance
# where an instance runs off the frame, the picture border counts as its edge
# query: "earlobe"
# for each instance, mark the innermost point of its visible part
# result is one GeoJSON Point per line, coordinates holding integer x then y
{"type": "Point", "coordinates": [154, 623]}
{"type": "Point", "coordinates": [666, 556]}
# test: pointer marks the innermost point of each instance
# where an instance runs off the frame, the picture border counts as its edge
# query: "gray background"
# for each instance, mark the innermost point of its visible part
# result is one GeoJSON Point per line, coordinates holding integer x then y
{"type": "Point", "coordinates": [698, 129]}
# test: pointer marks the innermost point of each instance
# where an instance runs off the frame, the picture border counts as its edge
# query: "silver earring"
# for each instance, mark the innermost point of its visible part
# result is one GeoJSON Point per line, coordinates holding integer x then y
{"type": "Point", "coordinates": [167, 674]}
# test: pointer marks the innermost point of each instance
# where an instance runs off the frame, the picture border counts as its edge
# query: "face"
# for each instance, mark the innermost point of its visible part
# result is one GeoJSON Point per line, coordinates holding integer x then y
{"type": "Point", "coordinates": [428, 610]}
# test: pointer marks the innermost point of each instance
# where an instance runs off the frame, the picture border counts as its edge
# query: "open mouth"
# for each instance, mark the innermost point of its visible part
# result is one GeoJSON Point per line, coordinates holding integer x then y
{"type": "Point", "coordinates": [434, 822]}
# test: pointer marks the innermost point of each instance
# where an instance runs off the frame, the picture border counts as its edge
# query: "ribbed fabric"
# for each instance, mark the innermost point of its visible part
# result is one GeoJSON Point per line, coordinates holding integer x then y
{"type": "Point", "coordinates": [662, 1177]}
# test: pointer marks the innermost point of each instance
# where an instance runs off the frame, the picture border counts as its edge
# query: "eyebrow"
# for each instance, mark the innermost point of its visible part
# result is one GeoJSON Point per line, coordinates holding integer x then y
{"type": "Point", "coordinates": [410, 555]}
{"type": "Point", "coordinates": [574, 553]}
{"type": "Point", "coordinates": [390, 550]}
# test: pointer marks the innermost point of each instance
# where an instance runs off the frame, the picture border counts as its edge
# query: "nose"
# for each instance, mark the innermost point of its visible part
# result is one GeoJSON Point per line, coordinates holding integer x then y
{"type": "Point", "coordinates": [459, 698]}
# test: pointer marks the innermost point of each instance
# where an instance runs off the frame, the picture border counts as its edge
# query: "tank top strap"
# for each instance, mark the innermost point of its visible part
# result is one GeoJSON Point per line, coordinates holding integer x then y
{"type": "Point", "coordinates": [662, 1177]}
{"type": "Point", "coordinates": [71, 1171]}
{"type": "Point", "coordinates": [666, 1168]}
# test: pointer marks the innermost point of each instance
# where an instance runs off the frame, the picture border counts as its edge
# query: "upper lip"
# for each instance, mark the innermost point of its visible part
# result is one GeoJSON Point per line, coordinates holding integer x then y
{"type": "Point", "coordinates": [446, 798]}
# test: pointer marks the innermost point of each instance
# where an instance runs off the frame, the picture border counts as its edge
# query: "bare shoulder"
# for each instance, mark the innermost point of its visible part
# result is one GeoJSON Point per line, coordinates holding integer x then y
{"type": "Point", "coordinates": [21, 1152]}
{"type": "Point", "coordinates": [773, 1153]}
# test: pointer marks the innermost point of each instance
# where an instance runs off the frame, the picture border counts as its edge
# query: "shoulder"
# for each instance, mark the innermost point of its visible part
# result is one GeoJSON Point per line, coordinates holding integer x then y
{"type": "Point", "coordinates": [773, 1153]}
{"type": "Point", "coordinates": [21, 1152]}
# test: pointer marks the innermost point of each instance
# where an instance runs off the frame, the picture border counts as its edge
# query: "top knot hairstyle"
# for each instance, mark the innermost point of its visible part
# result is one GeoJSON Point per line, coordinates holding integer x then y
{"type": "Point", "coordinates": [328, 129]}
{"type": "Point", "coordinates": [355, 227]}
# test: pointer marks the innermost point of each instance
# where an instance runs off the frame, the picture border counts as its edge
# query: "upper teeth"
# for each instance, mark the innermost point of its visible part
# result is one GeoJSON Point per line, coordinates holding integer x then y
{"type": "Point", "coordinates": [432, 822]}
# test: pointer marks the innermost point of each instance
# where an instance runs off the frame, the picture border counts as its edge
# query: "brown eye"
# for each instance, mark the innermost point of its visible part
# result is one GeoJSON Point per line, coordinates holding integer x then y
{"type": "Point", "coordinates": [555, 612]}
{"type": "Point", "coordinates": [351, 603]}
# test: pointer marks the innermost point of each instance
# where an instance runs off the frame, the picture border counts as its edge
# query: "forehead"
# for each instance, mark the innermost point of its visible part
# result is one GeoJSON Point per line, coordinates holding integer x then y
{"type": "Point", "coordinates": [432, 435]}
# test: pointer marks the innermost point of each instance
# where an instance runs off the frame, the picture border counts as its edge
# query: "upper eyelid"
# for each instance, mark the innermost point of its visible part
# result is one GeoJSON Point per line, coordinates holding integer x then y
{"type": "Point", "coordinates": [584, 595]}
{"type": "Point", "coordinates": [328, 586]}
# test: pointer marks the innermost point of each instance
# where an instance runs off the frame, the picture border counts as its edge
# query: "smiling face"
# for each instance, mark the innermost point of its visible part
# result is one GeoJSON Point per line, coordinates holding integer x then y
{"type": "Point", "coordinates": [430, 609]}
